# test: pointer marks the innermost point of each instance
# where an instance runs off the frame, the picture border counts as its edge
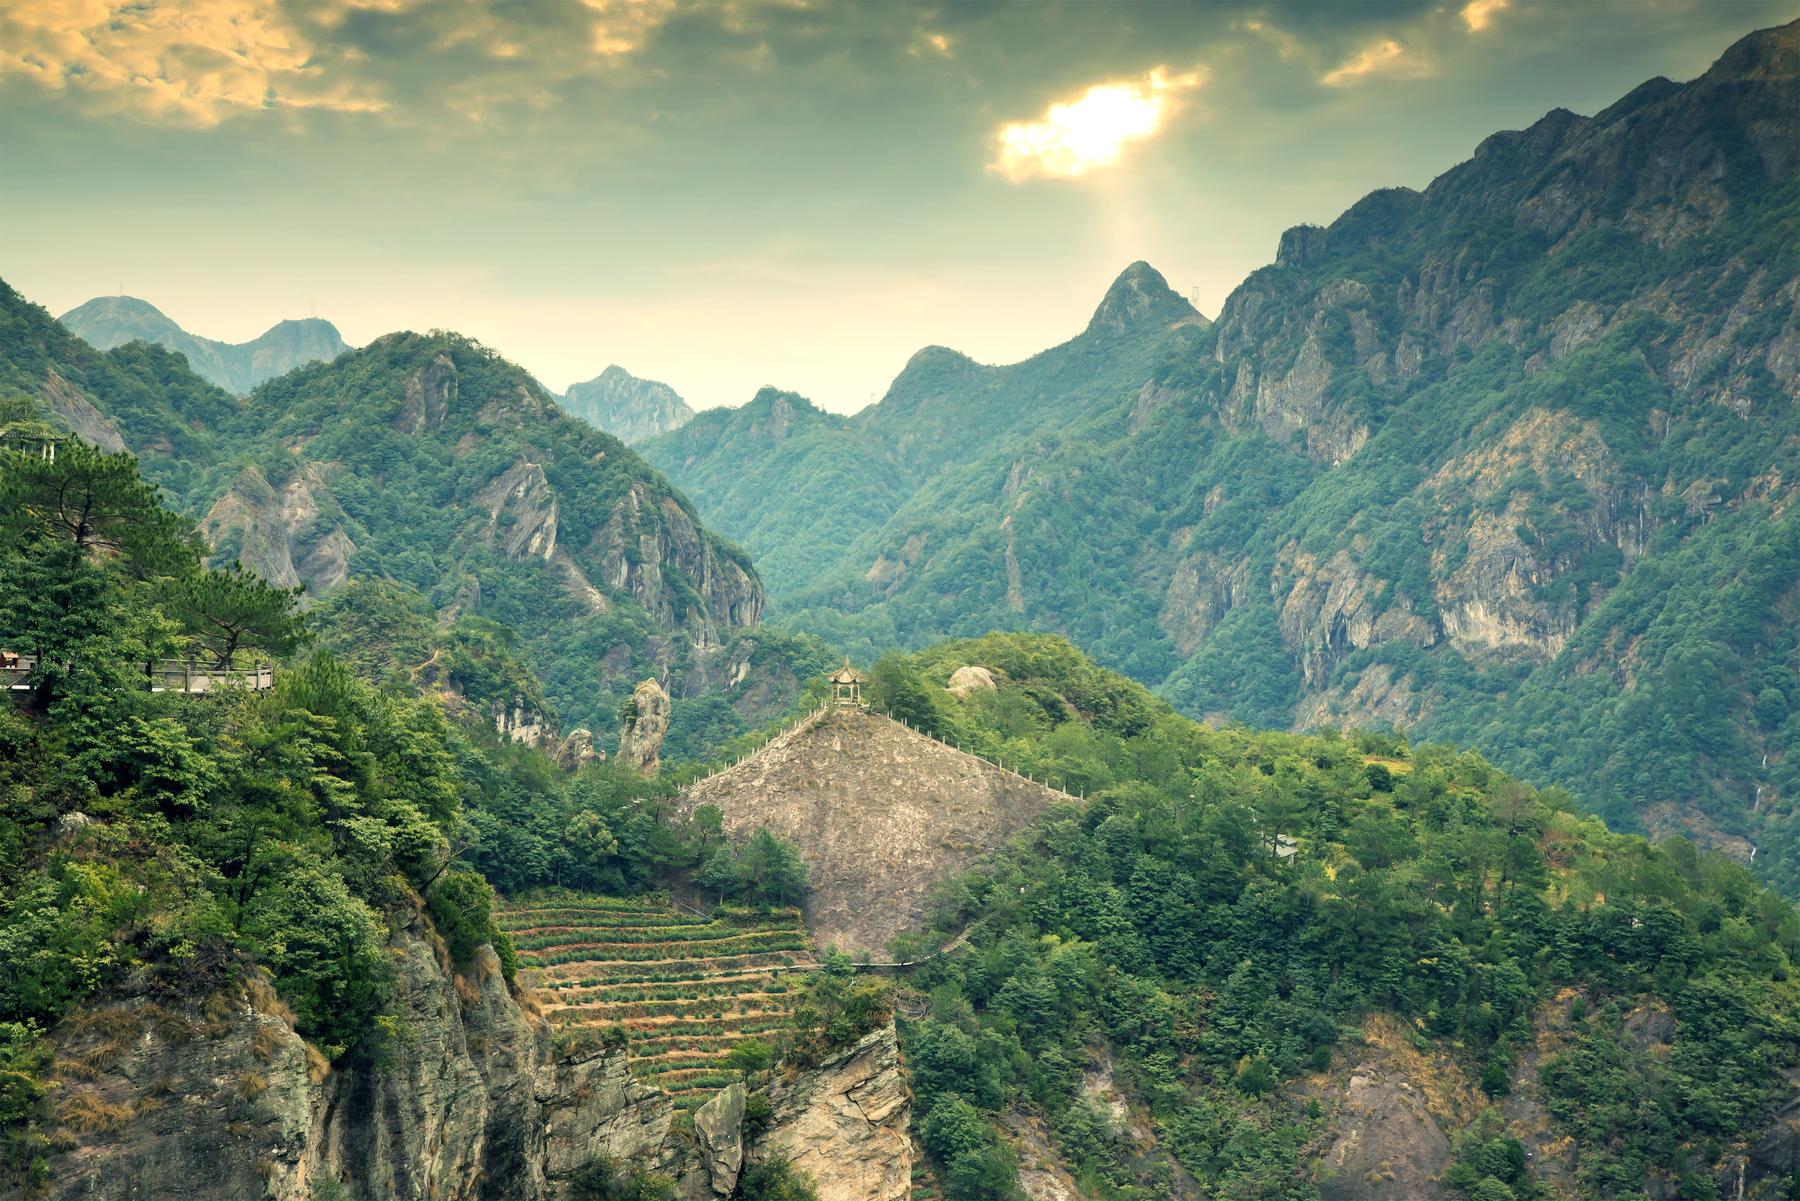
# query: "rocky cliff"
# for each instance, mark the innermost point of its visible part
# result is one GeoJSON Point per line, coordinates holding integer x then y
{"type": "Point", "coordinates": [632, 410]}
{"type": "Point", "coordinates": [469, 1100]}
{"type": "Point", "coordinates": [880, 814]}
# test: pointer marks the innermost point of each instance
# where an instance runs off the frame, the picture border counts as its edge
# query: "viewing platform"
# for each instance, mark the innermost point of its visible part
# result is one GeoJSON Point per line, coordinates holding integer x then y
{"type": "Point", "coordinates": [161, 675]}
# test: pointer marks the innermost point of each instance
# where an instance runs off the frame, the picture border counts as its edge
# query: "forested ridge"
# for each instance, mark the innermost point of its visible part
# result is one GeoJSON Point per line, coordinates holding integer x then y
{"type": "Point", "coordinates": [1231, 918]}
{"type": "Point", "coordinates": [1222, 929]}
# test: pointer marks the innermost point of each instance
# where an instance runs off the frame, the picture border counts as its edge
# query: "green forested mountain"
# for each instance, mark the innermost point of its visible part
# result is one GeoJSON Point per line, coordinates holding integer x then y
{"type": "Point", "coordinates": [430, 462]}
{"type": "Point", "coordinates": [108, 321]}
{"type": "Point", "coordinates": [1263, 965]}
{"type": "Point", "coordinates": [1509, 460]}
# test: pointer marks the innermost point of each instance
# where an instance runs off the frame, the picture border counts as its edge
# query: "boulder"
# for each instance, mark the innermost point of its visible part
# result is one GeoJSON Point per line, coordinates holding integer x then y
{"type": "Point", "coordinates": [970, 679]}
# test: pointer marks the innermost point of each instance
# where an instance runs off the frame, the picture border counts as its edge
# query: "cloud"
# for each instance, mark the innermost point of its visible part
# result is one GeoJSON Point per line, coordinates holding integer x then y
{"type": "Point", "coordinates": [202, 62]}
{"type": "Point", "coordinates": [1286, 44]}
{"type": "Point", "coordinates": [1385, 57]}
{"type": "Point", "coordinates": [940, 44]}
{"type": "Point", "coordinates": [1078, 136]}
{"type": "Point", "coordinates": [191, 63]}
{"type": "Point", "coordinates": [1479, 14]}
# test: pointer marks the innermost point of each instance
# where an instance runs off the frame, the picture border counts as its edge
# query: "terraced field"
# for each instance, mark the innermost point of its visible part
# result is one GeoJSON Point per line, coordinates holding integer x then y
{"type": "Point", "coordinates": [685, 989]}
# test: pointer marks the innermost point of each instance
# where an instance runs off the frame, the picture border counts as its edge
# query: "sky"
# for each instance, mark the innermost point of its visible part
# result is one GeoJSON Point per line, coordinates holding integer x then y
{"type": "Point", "coordinates": [732, 194]}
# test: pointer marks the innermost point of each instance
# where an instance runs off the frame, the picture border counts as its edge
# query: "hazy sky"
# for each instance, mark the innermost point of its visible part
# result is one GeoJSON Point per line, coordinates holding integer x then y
{"type": "Point", "coordinates": [726, 195]}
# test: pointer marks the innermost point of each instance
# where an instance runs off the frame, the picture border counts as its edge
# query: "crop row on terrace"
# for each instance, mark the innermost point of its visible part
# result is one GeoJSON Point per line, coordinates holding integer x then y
{"type": "Point", "coordinates": [682, 988]}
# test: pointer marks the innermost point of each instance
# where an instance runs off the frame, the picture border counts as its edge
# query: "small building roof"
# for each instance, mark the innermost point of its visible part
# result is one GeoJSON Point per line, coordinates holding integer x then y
{"type": "Point", "coordinates": [847, 674]}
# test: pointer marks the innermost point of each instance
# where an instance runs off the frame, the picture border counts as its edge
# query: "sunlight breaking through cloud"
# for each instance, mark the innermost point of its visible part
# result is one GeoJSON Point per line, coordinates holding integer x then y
{"type": "Point", "coordinates": [1479, 14]}
{"type": "Point", "coordinates": [1076, 137]}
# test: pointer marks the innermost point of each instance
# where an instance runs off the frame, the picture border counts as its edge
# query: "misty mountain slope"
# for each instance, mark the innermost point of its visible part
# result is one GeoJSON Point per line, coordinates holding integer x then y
{"type": "Point", "coordinates": [1511, 460]}
{"type": "Point", "coordinates": [152, 403]}
{"type": "Point", "coordinates": [770, 475]}
{"type": "Point", "coordinates": [838, 480]}
{"type": "Point", "coordinates": [630, 409]}
{"type": "Point", "coordinates": [108, 321]}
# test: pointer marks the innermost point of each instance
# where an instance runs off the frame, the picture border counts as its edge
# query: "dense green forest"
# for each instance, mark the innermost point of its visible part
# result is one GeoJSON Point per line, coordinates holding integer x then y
{"type": "Point", "coordinates": [1229, 907]}
{"type": "Point", "coordinates": [1216, 921]}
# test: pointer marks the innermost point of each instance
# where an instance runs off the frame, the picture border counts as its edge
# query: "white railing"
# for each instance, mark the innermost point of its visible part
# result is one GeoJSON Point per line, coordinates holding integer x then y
{"type": "Point", "coordinates": [161, 675]}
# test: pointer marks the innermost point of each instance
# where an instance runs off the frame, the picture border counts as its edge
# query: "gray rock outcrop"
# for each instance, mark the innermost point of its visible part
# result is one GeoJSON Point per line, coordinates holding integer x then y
{"type": "Point", "coordinates": [641, 730]}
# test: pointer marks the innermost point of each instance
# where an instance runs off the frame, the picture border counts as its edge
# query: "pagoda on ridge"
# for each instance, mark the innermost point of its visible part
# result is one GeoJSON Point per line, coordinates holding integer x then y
{"type": "Point", "coordinates": [846, 686]}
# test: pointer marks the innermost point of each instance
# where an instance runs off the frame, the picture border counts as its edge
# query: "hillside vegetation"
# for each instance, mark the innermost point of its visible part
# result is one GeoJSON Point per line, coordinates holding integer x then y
{"type": "Point", "coordinates": [1509, 461]}
{"type": "Point", "coordinates": [1238, 922]}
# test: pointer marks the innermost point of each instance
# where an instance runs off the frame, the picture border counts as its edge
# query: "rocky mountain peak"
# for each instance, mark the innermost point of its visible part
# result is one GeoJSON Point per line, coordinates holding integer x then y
{"type": "Point", "coordinates": [108, 321]}
{"type": "Point", "coordinates": [1139, 299]}
{"type": "Point", "coordinates": [631, 409]}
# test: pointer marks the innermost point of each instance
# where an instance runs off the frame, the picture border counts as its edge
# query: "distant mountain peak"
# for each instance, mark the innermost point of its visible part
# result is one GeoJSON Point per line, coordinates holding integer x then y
{"type": "Point", "coordinates": [108, 321]}
{"type": "Point", "coordinates": [1140, 298]}
{"type": "Point", "coordinates": [627, 407]}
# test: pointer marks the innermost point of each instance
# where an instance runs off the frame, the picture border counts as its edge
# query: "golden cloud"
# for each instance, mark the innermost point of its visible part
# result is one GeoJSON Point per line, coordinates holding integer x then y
{"type": "Point", "coordinates": [194, 62]}
{"type": "Point", "coordinates": [1076, 137]}
{"type": "Point", "coordinates": [1386, 57]}
{"type": "Point", "coordinates": [1479, 14]}
{"type": "Point", "coordinates": [201, 62]}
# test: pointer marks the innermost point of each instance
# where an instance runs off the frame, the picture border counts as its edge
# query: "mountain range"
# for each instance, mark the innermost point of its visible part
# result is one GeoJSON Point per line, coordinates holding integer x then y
{"type": "Point", "coordinates": [428, 462]}
{"type": "Point", "coordinates": [108, 321]}
{"type": "Point", "coordinates": [1511, 461]}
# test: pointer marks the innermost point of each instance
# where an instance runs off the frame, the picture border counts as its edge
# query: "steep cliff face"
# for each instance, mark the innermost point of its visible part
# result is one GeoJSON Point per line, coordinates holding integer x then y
{"type": "Point", "coordinates": [470, 1101]}
{"type": "Point", "coordinates": [432, 460]}
{"type": "Point", "coordinates": [1510, 455]}
{"type": "Point", "coordinates": [844, 1123]}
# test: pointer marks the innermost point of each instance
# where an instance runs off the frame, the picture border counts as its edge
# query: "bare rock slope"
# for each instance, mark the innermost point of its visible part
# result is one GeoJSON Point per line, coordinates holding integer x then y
{"type": "Point", "coordinates": [879, 812]}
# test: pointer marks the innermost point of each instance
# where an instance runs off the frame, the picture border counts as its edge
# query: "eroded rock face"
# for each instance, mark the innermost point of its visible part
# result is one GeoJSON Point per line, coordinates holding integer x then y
{"type": "Point", "coordinates": [430, 394]}
{"type": "Point", "coordinates": [641, 732]}
{"type": "Point", "coordinates": [844, 1123]}
{"type": "Point", "coordinates": [228, 1102]}
{"type": "Point", "coordinates": [719, 1127]}
{"type": "Point", "coordinates": [288, 535]}
{"type": "Point", "coordinates": [577, 750]}
{"type": "Point", "coordinates": [1389, 1139]}
{"type": "Point", "coordinates": [628, 553]}
{"type": "Point", "coordinates": [521, 512]}
{"type": "Point", "coordinates": [87, 422]}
